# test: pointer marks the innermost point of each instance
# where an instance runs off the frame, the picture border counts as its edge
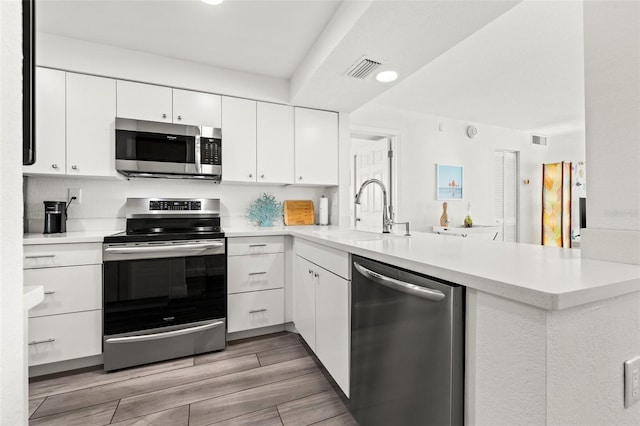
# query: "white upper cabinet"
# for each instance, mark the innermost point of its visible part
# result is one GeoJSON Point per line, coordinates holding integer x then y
{"type": "Point", "coordinates": [316, 147]}
{"type": "Point", "coordinates": [91, 112]}
{"type": "Point", "coordinates": [275, 143]}
{"type": "Point", "coordinates": [196, 108]}
{"type": "Point", "coordinates": [144, 101]}
{"type": "Point", "coordinates": [238, 140]}
{"type": "Point", "coordinates": [50, 123]}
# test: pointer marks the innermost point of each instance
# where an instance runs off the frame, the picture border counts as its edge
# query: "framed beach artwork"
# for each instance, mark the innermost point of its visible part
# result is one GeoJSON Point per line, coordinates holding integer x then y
{"type": "Point", "coordinates": [449, 182]}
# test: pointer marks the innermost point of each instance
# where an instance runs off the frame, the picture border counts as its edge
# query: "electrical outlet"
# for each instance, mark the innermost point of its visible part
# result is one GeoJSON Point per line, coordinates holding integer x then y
{"type": "Point", "coordinates": [75, 192]}
{"type": "Point", "coordinates": [631, 381]}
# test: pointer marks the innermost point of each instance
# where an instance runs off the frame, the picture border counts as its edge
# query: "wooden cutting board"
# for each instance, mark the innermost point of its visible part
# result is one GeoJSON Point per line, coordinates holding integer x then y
{"type": "Point", "coordinates": [298, 212]}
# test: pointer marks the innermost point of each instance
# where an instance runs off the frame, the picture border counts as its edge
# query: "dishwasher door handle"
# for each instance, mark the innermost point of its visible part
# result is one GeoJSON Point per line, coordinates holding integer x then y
{"type": "Point", "coordinates": [405, 287]}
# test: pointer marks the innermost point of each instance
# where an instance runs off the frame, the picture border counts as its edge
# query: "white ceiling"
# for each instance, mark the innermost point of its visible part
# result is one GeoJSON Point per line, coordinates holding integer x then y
{"type": "Point", "coordinates": [483, 60]}
{"type": "Point", "coordinates": [268, 37]}
{"type": "Point", "coordinates": [525, 70]}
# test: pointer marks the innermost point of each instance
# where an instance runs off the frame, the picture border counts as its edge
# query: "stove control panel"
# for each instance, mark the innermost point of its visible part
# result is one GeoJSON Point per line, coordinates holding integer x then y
{"type": "Point", "coordinates": [173, 205]}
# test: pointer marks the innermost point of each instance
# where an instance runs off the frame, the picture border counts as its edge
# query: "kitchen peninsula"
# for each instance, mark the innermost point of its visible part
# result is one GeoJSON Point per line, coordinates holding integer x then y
{"type": "Point", "coordinates": [546, 331]}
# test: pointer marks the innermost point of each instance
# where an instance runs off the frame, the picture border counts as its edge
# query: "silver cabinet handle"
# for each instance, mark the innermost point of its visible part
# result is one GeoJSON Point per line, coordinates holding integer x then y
{"type": "Point", "coordinates": [254, 311]}
{"type": "Point", "coordinates": [40, 256]}
{"type": "Point", "coordinates": [179, 117]}
{"type": "Point", "coordinates": [74, 167]}
{"type": "Point", "coordinates": [49, 292]}
{"type": "Point", "coordinates": [311, 271]}
{"type": "Point", "coordinates": [300, 178]}
{"type": "Point", "coordinates": [257, 273]}
{"type": "Point", "coordinates": [164, 115]}
{"type": "Point", "coordinates": [316, 275]}
{"type": "Point", "coordinates": [262, 176]}
{"type": "Point", "coordinates": [54, 166]}
{"type": "Point", "coordinates": [37, 342]}
{"type": "Point", "coordinates": [250, 175]}
{"type": "Point", "coordinates": [154, 249]}
{"type": "Point", "coordinates": [257, 245]}
{"type": "Point", "coordinates": [155, 336]}
{"type": "Point", "coordinates": [405, 287]}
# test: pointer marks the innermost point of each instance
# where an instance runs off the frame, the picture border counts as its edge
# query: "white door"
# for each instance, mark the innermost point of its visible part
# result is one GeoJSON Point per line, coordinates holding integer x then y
{"type": "Point", "coordinates": [332, 325]}
{"type": "Point", "coordinates": [316, 147]}
{"type": "Point", "coordinates": [50, 123]}
{"type": "Point", "coordinates": [304, 300]}
{"type": "Point", "coordinates": [274, 143]}
{"type": "Point", "coordinates": [370, 161]}
{"type": "Point", "coordinates": [238, 140]}
{"type": "Point", "coordinates": [144, 101]}
{"type": "Point", "coordinates": [91, 112]}
{"type": "Point", "coordinates": [196, 108]}
{"type": "Point", "coordinates": [506, 189]}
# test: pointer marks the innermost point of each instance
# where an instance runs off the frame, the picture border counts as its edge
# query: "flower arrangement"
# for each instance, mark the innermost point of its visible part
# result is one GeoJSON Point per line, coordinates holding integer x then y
{"type": "Point", "coordinates": [264, 210]}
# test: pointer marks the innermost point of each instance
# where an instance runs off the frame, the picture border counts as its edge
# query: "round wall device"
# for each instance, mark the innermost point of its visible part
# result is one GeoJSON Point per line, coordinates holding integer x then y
{"type": "Point", "coordinates": [472, 131]}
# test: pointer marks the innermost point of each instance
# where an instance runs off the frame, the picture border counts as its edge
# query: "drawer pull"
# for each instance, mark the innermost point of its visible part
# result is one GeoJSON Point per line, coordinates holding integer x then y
{"type": "Point", "coordinates": [257, 245]}
{"type": "Point", "coordinates": [255, 311]}
{"type": "Point", "coordinates": [39, 256]}
{"type": "Point", "coordinates": [49, 292]}
{"type": "Point", "coordinates": [257, 273]}
{"type": "Point", "coordinates": [37, 342]}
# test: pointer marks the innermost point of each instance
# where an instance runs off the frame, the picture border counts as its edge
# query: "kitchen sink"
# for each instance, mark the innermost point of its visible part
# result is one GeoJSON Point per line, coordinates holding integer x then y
{"type": "Point", "coordinates": [355, 235]}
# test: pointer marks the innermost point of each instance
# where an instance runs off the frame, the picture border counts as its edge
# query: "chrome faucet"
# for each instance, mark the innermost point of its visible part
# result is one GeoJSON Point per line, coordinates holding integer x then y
{"type": "Point", "coordinates": [386, 222]}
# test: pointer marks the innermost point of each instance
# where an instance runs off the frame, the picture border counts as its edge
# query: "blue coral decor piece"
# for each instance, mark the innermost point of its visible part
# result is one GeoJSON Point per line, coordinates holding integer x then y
{"type": "Point", "coordinates": [264, 210]}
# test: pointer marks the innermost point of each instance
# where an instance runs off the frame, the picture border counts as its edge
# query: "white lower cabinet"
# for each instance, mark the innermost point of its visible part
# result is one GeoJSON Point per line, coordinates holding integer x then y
{"type": "Point", "coordinates": [255, 309]}
{"type": "Point", "coordinates": [255, 283]}
{"type": "Point", "coordinates": [321, 312]}
{"type": "Point", "coordinates": [63, 337]}
{"type": "Point", "coordinates": [68, 324]}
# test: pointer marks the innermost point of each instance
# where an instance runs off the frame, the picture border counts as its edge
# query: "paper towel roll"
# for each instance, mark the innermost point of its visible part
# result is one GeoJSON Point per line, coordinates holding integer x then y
{"type": "Point", "coordinates": [323, 214]}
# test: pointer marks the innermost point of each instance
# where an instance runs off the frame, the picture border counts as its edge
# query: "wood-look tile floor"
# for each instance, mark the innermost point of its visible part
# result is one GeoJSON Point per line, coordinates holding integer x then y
{"type": "Point", "coordinates": [271, 380]}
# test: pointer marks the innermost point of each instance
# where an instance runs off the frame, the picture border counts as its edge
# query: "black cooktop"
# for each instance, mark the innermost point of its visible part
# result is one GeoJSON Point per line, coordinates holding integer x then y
{"type": "Point", "coordinates": [168, 229]}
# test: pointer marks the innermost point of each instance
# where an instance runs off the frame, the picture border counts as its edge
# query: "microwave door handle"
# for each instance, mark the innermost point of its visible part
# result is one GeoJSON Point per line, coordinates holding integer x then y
{"type": "Point", "coordinates": [198, 159]}
{"type": "Point", "coordinates": [158, 249]}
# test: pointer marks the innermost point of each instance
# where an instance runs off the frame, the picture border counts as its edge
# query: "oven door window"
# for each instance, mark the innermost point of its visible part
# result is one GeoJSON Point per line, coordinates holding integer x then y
{"type": "Point", "coordinates": [150, 293]}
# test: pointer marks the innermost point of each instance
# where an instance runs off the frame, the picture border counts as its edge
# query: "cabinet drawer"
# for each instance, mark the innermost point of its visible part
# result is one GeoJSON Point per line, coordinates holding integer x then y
{"type": "Point", "coordinates": [255, 309]}
{"type": "Point", "coordinates": [64, 337]}
{"type": "Point", "coordinates": [255, 245]}
{"type": "Point", "coordinates": [66, 290]}
{"type": "Point", "coordinates": [258, 272]}
{"type": "Point", "coordinates": [330, 259]}
{"type": "Point", "coordinates": [51, 255]}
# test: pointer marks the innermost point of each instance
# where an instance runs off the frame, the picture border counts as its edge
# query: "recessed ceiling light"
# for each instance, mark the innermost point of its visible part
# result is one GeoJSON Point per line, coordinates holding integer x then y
{"type": "Point", "coordinates": [213, 2]}
{"type": "Point", "coordinates": [386, 76]}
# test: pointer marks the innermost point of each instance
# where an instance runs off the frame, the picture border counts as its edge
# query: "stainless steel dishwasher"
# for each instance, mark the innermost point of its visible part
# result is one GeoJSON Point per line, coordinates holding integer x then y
{"type": "Point", "coordinates": [407, 347]}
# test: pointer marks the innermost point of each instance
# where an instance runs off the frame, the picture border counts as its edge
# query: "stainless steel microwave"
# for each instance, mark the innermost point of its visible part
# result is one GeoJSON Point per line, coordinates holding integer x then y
{"type": "Point", "coordinates": [150, 149]}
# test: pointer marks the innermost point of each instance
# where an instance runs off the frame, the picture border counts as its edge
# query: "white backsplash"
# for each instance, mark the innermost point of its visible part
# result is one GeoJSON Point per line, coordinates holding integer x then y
{"type": "Point", "coordinates": [103, 200]}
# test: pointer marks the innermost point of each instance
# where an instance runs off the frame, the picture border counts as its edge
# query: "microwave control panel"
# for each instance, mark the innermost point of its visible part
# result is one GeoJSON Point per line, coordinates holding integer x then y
{"type": "Point", "coordinates": [210, 151]}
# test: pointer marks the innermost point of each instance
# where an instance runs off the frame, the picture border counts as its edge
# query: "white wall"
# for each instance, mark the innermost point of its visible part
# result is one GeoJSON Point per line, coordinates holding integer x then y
{"type": "Point", "coordinates": [612, 95]}
{"type": "Point", "coordinates": [422, 145]}
{"type": "Point", "coordinates": [93, 58]}
{"type": "Point", "coordinates": [103, 200]}
{"type": "Point", "coordinates": [13, 374]}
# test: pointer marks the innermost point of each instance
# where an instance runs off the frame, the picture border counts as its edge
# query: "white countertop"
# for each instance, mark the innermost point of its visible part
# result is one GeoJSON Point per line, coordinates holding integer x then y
{"type": "Point", "coordinates": [545, 277]}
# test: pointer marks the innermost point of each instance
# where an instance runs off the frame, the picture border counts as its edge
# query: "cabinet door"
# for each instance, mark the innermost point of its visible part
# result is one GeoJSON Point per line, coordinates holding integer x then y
{"type": "Point", "coordinates": [91, 112]}
{"type": "Point", "coordinates": [196, 108]}
{"type": "Point", "coordinates": [316, 147]}
{"type": "Point", "coordinates": [50, 130]}
{"type": "Point", "coordinates": [238, 140]}
{"type": "Point", "coordinates": [304, 300]}
{"type": "Point", "coordinates": [275, 143]}
{"type": "Point", "coordinates": [144, 101]}
{"type": "Point", "coordinates": [333, 326]}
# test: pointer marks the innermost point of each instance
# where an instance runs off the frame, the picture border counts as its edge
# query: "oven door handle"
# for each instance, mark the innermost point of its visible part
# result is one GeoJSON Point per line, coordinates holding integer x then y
{"type": "Point", "coordinates": [158, 249]}
{"type": "Point", "coordinates": [154, 336]}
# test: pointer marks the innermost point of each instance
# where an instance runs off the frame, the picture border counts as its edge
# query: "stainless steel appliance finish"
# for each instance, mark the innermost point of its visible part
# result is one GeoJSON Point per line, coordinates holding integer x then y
{"type": "Point", "coordinates": [164, 282]}
{"type": "Point", "coordinates": [150, 149]}
{"type": "Point", "coordinates": [407, 347]}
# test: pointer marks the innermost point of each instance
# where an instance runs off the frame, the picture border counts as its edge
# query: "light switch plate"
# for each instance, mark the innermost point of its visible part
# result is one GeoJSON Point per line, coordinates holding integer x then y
{"type": "Point", "coordinates": [631, 381]}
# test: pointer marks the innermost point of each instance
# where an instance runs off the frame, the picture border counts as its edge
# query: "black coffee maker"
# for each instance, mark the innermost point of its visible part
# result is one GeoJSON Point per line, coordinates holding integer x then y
{"type": "Point", "coordinates": [55, 217]}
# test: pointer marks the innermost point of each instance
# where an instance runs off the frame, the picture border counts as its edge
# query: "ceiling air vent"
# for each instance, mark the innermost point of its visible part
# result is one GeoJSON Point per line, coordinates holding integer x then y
{"type": "Point", "coordinates": [538, 140]}
{"type": "Point", "coordinates": [362, 68]}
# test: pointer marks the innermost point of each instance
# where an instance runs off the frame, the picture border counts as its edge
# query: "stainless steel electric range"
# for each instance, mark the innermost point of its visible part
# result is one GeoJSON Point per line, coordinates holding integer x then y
{"type": "Point", "coordinates": [164, 282]}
